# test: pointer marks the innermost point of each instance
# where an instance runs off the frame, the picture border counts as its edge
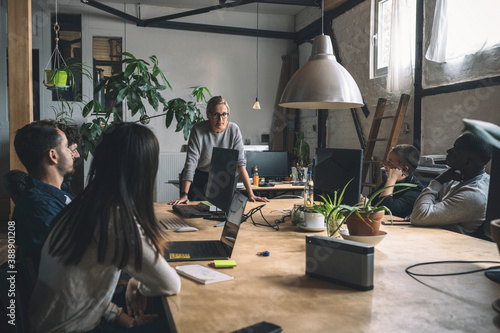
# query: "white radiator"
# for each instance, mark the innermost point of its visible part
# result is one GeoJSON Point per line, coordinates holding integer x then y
{"type": "Point", "coordinates": [170, 166]}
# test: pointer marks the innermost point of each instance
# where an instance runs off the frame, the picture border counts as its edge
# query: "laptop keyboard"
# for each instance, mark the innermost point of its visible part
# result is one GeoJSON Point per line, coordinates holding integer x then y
{"type": "Point", "coordinates": [197, 249]}
{"type": "Point", "coordinates": [173, 223]}
{"type": "Point", "coordinates": [205, 249]}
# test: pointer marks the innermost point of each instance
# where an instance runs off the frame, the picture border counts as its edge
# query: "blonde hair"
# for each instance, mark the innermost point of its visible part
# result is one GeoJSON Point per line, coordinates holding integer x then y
{"type": "Point", "coordinates": [214, 101]}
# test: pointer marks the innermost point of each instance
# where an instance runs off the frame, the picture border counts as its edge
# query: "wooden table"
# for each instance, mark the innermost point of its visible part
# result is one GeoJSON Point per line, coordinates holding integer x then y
{"type": "Point", "coordinates": [276, 289]}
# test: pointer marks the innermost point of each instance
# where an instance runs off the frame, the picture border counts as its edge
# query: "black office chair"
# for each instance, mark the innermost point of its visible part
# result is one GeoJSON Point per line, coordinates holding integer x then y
{"type": "Point", "coordinates": [15, 183]}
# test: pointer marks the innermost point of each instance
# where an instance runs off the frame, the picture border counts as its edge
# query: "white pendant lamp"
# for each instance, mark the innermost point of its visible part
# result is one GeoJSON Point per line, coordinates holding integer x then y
{"type": "Point", "coordinates": [322, 83]}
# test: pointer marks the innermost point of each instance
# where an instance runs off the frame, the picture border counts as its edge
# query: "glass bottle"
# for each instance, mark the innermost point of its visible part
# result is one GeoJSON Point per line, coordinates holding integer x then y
{"type": "Point", "coordinates": [309, 190]}
{"type": "Point", "coordinates": [256, 176]}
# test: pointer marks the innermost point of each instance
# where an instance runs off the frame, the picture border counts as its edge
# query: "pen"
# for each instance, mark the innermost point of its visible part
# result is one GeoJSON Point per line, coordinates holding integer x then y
{"type": "Point", "coordinates": [219, 224]}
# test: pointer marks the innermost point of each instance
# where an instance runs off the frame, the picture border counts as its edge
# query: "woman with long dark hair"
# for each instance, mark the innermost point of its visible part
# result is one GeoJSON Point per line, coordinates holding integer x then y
{"type": "Point", "coordinates": [110, 227]}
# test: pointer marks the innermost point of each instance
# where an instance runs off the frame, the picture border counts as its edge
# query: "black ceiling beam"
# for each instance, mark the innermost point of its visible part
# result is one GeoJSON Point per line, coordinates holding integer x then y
{"type": "Point", "coordinates": [308, 3]}
{"type": "Point", "coordinates": [114, 11]}
{"type": "Point", "coordinates": [224, 30]}
{"type": "Point", "coordinates": [204, 27]}
{"type": "Point", "coordinates": [199, 11]}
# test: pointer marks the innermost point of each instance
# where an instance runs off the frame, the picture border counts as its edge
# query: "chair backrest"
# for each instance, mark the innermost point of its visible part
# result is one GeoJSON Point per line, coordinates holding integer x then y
{"type": "Point", "coordinates": [15, 183]}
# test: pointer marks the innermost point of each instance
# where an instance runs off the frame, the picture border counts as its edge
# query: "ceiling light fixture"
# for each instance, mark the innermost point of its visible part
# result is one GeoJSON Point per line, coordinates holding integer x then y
{"type": "Point", "coordinates": [256, 105]}
{"type": "Point", "coordinates": [322, 83]}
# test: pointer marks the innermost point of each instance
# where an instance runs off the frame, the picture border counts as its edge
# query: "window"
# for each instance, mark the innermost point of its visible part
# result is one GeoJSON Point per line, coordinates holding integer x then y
{"type": "Point", "coordinates": [107, 55]}
{"type": "Point", "coordinates": [463, 27]}
{"type": "Point", "coordinates": [381, 36]}
{"type": "Point", "coordinates": [393, 51]}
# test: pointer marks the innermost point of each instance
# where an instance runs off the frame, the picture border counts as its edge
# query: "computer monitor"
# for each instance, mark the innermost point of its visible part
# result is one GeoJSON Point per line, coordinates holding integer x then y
{"type": "Point", "coordinates": [222, 177]}
{"type": "Point", "coordinates": [270, 164]}
{"type": "Point", "coordinates": [334, 168]}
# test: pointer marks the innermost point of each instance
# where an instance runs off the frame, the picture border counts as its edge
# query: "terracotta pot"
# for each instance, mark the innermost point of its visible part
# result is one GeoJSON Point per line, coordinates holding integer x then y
{"type": "Point", "coordinates": [365, 227]}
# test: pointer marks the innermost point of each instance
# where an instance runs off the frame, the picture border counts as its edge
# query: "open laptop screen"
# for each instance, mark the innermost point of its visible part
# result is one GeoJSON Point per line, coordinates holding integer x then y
{"type": "Point", "coordinates": [233, 220]}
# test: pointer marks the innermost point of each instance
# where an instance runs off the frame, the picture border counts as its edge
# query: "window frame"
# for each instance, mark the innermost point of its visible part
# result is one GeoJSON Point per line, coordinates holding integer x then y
{"type": "Point", "coordinates": [377, 39]}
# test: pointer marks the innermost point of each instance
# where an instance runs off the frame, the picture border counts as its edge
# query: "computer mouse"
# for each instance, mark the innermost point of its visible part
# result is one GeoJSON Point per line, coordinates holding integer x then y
{"type": "Point", "coordinates": [184, 229]}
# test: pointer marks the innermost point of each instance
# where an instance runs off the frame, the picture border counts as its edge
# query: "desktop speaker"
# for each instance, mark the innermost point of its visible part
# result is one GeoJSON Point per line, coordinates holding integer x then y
{"type": "Point", "coordinates": [340, 261]}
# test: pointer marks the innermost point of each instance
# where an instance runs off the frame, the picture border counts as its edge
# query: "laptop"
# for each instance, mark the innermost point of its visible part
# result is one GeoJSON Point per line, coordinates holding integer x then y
{"type": "Point", "coordinates": [211, 249]}
{"type": "Point", "coordinates": [191, 211]}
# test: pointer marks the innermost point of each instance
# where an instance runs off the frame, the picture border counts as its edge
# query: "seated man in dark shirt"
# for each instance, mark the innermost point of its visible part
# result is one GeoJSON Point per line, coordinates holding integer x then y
{"type": "Point", "coordinates": [15, 180]}
{"type": "Point", "coordinates": [399, 167]}
{"type": "Point", "coordinates": [43, 149]}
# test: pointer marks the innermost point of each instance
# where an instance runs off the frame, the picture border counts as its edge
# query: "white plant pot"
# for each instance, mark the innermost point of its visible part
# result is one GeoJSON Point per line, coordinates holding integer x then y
{"type": "Point", "coordinates": [314, 220]}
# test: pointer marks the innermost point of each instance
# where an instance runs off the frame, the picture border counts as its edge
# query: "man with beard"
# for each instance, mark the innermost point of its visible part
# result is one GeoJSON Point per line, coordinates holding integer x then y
{"type": "Point", "coordinates": [43, 149]}
{"type": "Point", "coordinates": [462, 207]}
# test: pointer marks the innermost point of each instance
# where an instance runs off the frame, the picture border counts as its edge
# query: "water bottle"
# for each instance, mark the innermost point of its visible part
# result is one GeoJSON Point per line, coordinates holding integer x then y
{"type": "Point", "coordinates": [255, 176]}
{"type": "Point", "coordinates": [309, 190]}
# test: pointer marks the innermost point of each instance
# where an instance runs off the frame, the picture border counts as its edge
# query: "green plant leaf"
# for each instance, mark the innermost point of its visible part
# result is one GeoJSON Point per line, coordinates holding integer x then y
{"type": "Point", "coordinates": [87, 109]}
{"type": "Point", "coordinates": [127, 54]}
{"type": "Point", "coordinates": [169, 117]}
{"type": "Point", "coordinates": [368, 202]}
{"type": "Point", "coordinates": [122, 94]}
{"type": "Point", "coordinates": [130, 69]}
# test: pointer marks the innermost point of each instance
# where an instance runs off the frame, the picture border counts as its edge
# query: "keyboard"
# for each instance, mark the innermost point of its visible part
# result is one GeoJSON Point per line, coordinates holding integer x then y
{"type": "Point", "coordinates": [174, 223]}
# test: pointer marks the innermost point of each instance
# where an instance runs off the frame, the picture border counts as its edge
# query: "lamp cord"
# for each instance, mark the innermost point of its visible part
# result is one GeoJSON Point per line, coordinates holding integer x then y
{"type": "Point", "coordinates": [257, 56]}
{"type": "Point", "coordinates": [322, 16]}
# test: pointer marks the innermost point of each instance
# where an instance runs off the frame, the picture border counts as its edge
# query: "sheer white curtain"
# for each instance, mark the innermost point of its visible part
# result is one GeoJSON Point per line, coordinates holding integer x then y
{"type": "Point", "coordinates": [462, 27]}
{"type": "Point", "coordinates": [402, 56]}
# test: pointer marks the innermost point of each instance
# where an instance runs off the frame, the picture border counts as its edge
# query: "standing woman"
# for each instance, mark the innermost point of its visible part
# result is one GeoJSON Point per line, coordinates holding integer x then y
{"type": "Point", "coordinates": [110, 227]}
{"type": "Point", "coordinates": [217, 131]}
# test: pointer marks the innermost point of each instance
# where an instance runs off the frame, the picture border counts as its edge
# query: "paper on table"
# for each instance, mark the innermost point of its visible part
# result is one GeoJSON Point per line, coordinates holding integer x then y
{"type": "Point", "coordinates": [203, 274]}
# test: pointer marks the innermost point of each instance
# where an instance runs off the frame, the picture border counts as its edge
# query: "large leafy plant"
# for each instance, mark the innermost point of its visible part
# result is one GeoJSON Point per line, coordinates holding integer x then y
{"type": "Point", "coordinates": [140, 81]}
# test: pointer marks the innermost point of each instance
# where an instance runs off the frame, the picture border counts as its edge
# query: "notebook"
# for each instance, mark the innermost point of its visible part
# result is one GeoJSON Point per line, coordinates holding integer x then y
{"type": "Point", "coordinates": [211, 249]}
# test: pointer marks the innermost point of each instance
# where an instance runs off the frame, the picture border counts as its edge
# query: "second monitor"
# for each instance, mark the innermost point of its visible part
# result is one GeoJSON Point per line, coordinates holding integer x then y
{"type": "Point", "coordinates": [270, 164]}
{"type": "Point", "coordinates": [333, 170]}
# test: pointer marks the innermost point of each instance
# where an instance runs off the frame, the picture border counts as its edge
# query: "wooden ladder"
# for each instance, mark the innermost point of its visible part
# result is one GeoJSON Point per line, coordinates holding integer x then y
{"type": "Point", "coordinates": [391, 140]}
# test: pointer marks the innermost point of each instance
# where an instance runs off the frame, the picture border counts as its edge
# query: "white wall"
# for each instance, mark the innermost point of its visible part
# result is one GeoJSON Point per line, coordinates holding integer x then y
{"type": "Point", "coordinates": [226, 64]}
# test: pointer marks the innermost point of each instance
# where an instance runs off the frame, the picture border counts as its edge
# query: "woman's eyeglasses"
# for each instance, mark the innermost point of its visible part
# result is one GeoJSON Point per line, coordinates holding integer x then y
{"type": "Point", "coordinates": [219, 115]}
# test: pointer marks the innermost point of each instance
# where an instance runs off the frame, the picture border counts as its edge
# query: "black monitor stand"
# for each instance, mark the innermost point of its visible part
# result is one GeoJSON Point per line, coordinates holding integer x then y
{"type": "Point", "coordinates": [493, 273]}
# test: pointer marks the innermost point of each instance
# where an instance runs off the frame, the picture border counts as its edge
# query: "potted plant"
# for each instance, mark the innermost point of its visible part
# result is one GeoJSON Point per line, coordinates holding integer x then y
{"type": "Point", "coordinates": [63, 77]}
{"type": "Point", "coordinates": [139, 82]}
{"type": "Point", "coordinates": [56, 77]}
{"type": "Point", "coordinates": [314, 216]}
{"type": "Point", "coordinates": [362, 219]}
{"type": "Point", "coordinates": [335, 211]}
